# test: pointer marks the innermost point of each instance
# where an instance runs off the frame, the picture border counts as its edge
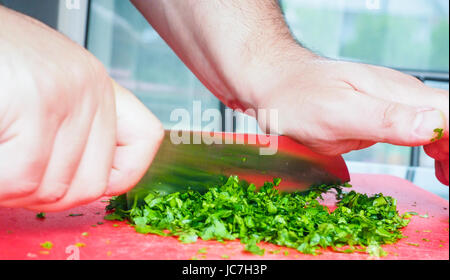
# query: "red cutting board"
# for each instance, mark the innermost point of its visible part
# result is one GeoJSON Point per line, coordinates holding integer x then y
{"type": "Point", "coordinates": [21, 233]}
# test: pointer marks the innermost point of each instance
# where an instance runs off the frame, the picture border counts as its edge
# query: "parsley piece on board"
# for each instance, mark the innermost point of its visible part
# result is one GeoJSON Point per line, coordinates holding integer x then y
{"type": "Point", "coordinates": [40, 215]}
{"type": "Point", "coordinates": [47, 245]}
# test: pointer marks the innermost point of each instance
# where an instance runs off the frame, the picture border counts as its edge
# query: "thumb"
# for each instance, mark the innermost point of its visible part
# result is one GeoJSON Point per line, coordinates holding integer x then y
{"type": "Point", "coordinates": [373, 119]}
{"type": "Point", "coordinates": [139, 134]}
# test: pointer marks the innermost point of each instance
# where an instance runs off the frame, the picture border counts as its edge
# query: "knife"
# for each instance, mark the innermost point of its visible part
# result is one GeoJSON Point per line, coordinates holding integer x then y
{"type": "Point", "coordinates": [179, 167]}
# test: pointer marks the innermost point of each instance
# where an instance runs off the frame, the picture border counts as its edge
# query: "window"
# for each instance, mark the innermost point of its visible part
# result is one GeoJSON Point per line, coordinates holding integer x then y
{"type": "Point", "coordinates": [140, 60]}
{"type": "Point", "coordinates": [404, 34]}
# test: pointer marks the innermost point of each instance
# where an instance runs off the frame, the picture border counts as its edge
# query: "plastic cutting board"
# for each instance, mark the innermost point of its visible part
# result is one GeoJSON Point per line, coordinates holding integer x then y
{"type": "Point", "coordinates": [21, 233]}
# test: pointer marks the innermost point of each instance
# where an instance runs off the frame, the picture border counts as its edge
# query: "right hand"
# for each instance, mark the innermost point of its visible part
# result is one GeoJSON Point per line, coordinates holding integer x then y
{"type": "Point", "coordinates": [68, 133]}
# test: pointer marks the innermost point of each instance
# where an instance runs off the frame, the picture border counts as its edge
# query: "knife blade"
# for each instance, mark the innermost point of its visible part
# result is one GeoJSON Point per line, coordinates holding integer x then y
{"type": "Point", "coordinates": [179, 167]}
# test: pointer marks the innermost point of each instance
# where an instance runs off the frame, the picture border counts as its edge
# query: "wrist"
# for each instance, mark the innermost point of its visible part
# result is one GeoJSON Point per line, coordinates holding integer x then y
{"type": "Point", "coordinates": [262, 76]}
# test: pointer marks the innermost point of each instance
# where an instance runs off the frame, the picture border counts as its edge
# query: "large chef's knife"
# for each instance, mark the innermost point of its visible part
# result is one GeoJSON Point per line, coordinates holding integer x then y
{"type": "Point", "coordinates": [199, 165]}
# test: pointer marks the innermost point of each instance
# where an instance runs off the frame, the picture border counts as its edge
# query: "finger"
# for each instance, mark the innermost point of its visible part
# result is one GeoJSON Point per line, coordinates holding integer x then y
{"type": "Point", "coordinates": [392, 85]}
{"type": "Point", "coordinates": [139, 134]}
{"type": "Point", "coordinates": [422, 95]}
{"type": "Point", "coordinates": [24, 153]}
{"type": "Point", "coordinates": [63, 162]}
{"type": "Point", "coordinates": [438, 150]}
{"type": "Point", "coordinates": [373, 119]}
{"type": "Point", "coordinates": [441, 169]}
{"type": "Point", "coordinates": [91, 177]}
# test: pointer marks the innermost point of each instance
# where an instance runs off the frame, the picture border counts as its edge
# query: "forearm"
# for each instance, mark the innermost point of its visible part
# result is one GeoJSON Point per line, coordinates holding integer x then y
{"type": "Point", "coordinates": [227, 44]}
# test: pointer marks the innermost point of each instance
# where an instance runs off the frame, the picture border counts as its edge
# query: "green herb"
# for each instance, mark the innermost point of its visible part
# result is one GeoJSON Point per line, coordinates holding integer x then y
{"type": "Point", "coordinates": [113, 217]}
{"type": "Point", "coordinates": [85, 234]}
{"type": "Point", "coordinates": [412, 244]}
{"type": "Point", "coordinates": [225, 257]}
{"type": "Point", "coordinates": [408, 215]}
{"type": "Point", "coordinates": [376, 251]}
{"type": "Point", "coordinates": [75, 215]}
{"type": "Point", "coordinates": [201, 251]}
{"type": "Point", "coordinates": [238, 210]}
{"type": "Point", "coordinates": [47, 245]}
{"type": "Point", "coordinates": [439, 132]}
{"type": "Point", "coordinates": [254, 249]}
{"type": "Point", "coordinates": [40, 215]}
{"type": "Point", "coordinates": [424, 216]}
{"type": "Point", "coordinates": [189, 237]}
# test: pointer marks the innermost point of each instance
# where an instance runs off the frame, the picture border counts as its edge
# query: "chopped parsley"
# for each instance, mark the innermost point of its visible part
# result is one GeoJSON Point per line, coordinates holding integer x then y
{"type": "Point", "coordinates": [40, 215]}
{"type": "Point", "coordinates": [75, 215]}
{"type": "Point", "coordinates": [238, 210]}
{"type": "Point", "coordinates": [47, 245]}
{"type": "Point", "coordinates": [202, 250]}
{"type": "Point", "coordinates": [439, 133]}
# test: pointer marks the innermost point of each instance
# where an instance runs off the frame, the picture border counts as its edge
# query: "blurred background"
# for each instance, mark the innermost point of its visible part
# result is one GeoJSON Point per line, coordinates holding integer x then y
{"type": "Point", "coordinates": [409, 35]}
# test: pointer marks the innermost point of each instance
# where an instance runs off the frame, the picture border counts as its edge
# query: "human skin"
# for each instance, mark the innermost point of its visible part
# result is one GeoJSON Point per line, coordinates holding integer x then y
{"type": "Point", "coordinates": [68, 133]}
{"type": "Point", "coordinates": [245, 54]}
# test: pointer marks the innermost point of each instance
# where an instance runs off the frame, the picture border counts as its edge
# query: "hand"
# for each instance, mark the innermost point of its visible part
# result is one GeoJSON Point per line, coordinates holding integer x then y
{"type": "Point", "coordinates": [244, 53]}
{"type": "Point", "coordinates": [68, 134]}
{"type": "Point", "coordinates": [336, 107]}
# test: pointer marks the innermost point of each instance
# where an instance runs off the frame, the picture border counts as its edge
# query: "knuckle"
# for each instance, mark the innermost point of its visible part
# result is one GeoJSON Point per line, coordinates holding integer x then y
{"type": "Point", "coordinates": [155, 131]}
{"type": "Point", "coordinates": [19, 189]}
{"type": "Point", "coordinates": [407, 79]}
{"type": "Point", "coordinates": [53, 195]}
{"type": "Point", "coordinates": [96, 190]}
{"type": "Point", "coordinates": [388, 116]}
{"type": "Point", "coordinates": [89, 71]}
{"type": "Point", "coordinates": [22, 179]}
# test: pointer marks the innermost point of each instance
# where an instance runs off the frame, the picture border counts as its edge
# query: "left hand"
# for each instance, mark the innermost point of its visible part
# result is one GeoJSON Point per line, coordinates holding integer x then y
{"type": "Point", "coordinates": [336, 107]}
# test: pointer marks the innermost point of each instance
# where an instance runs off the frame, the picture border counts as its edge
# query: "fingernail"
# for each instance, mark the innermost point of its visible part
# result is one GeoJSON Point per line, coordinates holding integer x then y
{"type": "Point", "coordinates": [426, 122]}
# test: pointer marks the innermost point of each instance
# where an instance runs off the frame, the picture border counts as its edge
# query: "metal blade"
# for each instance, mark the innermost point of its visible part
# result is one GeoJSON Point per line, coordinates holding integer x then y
{"type": "Point", "coordinates": [199, 166]}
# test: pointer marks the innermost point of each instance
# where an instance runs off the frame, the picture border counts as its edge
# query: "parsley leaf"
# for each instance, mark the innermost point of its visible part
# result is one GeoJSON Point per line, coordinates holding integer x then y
{"type": "Point", "coordinates": [439, 133]}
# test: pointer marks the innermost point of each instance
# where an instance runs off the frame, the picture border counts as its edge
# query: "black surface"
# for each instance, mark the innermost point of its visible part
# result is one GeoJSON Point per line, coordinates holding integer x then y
{"type": "Point", "coordinates": [42, 10]}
